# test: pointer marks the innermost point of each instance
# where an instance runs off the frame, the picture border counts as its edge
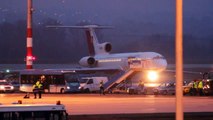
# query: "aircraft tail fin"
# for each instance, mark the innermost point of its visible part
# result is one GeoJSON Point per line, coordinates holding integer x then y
{"type": "Point", "coordinates": [94, 46]}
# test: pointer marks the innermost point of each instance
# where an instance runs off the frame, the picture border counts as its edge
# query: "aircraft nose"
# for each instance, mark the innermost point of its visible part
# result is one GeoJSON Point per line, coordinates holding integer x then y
{"type": "Point", "coordinates": [161, 63]}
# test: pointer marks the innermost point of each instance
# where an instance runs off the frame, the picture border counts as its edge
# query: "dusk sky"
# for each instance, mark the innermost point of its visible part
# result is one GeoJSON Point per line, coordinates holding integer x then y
{"type": "Point", "coordinates": [137, 18]}
{"type": "Point", "coordinates": [107, 12]}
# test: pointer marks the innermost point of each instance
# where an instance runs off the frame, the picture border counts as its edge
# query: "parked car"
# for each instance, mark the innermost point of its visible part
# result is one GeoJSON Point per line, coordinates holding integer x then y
{"type": "Point", "coordinates": [6, 86]}
{"type": "Point", "coordinates": [165, 89]}
{"type": "Point", "coordinates": [129, 89]}
{"type": "Point", "coordinates": [168, 88]}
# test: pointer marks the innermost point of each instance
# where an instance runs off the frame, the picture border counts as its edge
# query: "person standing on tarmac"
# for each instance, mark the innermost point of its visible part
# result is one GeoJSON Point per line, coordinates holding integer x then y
{"type": "Point", "coordinates": [194, 88]}
{"type": "Point", "coordinates": [200, 87]}
{"type": "Point", "coordinates": [102, 88]}
{"type": "Point", "coordinates": [141, 84]}
{"type": "Point", "coordinates": [38, 87]}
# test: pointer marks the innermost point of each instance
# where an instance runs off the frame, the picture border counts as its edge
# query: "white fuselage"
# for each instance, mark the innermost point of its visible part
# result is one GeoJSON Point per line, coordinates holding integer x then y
{"type": "Point", "coordinates": [137, 60]}
{"type": "Point", "coordinates": [100, 54]}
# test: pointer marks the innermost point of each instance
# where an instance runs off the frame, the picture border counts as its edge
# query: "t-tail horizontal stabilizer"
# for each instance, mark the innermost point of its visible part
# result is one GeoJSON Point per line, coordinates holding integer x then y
{"type": "Point", "coordinates": [95, 48]}
{"type": "Point", "coordinates": [81, 27]}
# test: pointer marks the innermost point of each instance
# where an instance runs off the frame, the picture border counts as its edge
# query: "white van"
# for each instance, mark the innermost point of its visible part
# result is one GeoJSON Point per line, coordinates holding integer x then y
{"type": "Point", "coordinates": [91, 84]}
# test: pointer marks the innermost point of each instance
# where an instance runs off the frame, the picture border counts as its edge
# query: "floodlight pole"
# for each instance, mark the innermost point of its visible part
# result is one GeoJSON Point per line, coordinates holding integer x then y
{"type": "Point", "coordinates": [179, 59]}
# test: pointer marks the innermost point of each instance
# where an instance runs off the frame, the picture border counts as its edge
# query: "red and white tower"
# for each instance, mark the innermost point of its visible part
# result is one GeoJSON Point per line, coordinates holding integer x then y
{"type": "Point", "coordinates": [29, 55]}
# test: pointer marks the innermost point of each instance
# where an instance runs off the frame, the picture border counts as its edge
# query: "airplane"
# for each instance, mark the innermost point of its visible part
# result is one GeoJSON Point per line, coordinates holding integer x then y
{"type": "Point", "coordinates": [100, 56]}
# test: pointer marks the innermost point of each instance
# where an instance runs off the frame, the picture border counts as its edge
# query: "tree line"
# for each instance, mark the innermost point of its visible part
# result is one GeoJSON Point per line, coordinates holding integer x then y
{"type": "Point", "coordinates": [54, 45]}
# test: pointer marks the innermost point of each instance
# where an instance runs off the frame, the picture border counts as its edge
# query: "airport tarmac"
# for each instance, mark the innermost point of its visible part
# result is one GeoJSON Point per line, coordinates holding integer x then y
{"type": "Point", "coordinates": [90, 104]}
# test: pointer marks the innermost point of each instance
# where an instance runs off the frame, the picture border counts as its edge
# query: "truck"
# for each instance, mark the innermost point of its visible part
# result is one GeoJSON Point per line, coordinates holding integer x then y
{"type": "Point", "coordinates": [91, 84]}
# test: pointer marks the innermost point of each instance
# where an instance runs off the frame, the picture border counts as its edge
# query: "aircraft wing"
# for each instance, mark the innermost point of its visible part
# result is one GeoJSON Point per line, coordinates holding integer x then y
{"type": "Point", "coordinates": [190, 72]}
{"type": "Point", "coordinates": [79, 69]}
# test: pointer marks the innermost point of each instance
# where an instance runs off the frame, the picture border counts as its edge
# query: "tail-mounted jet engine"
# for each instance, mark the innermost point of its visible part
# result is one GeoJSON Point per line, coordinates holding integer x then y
{"type": "Point", "coordinates": [105, 47]}
{"type": "Point", "coordinates": [88, 61]}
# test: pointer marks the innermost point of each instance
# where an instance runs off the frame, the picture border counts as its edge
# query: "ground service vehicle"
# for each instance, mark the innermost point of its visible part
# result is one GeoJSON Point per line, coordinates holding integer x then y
{"type": "Point", "coordinates": [6, 86]}
{"type": "Point", "coordinates": [167, 88]}
{"type": "Point", "coordinates": [120, 88]}
{"type": "Point", "coordinates": [21, 111]}
{"type": "Point", "coordinates": [91, 84]}
{"type": "Point", "coordinates": [54, 82]}
{"type": "Point", "coordinates": [164, 89]}
{"type": "Point", "coordinates": [208, 87]}
{"type": "Point", "coordinates": [137, 90]}
{"type": "Point", "coordinates": [208, 83]}
{"type": "Point", "coordinates": [129, 88]}
{"type": "Point", "coordinates": [187, 88]}
{"type": "Point", "coordinates": [11, 78]}
{"type": "Point", "coordinates": [16, 86]}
